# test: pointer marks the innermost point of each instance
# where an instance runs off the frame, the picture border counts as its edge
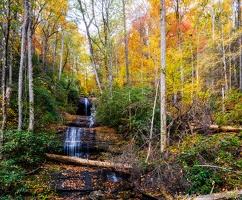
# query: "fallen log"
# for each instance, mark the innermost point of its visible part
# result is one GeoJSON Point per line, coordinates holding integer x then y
{"type": "Point", "coordinates": [95, 163]}
{"type": "Point", "coordinates": [222, 195]}
{"type": "Point", "coordinates": [225, 128]}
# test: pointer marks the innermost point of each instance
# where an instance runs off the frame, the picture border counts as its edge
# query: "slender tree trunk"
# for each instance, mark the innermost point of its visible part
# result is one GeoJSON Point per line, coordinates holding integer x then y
{"type": "Point", "coordinates": [224, 63]}
{"type": "Point", "coordinates": [192, 63]}
{"type": "Point", "coordinates": [111, 69]}
{"type": "Point", "coordinates": [240, 43]}
{"type": "Point", "coordinates": [21, 66]}
{"type": "Point", "coordinates": [90, 45]}
{"type": "Point", "coordinates": [6, 91]}
{"type": "Point", "coordinates": [152, 123]}
{"type": "Point", "coordinates": [126, 45]}
{"type": "Point", "coordinates": [163, 77]}
{"type": "Point", "coordinates": [10, 79]}
{"type": "Point", "coordinates": [223, 100]}
{"type": "Point", "coordinates": [105, 42]}
{"type": "Point", "coordinates": [61, 55]}
{"type": "Point", "coordinates": [30, 71]}
{"type": "Point", "coordinates": [93, 62]}
{"type": "Point", "coordinates": [5, 64]}
{"type": "Point", "coordinates": [197, 70]}
{"type": "Point", "coordinates": [179, 21]}
{"type": "Point", "coordinates": [235, 72]}
{"type": "Point", "coordinates": [213, 37]}
{"type": "Point", "coordinates": [55, 52]}
{"type": "Point", "coordinates": [45, 45]}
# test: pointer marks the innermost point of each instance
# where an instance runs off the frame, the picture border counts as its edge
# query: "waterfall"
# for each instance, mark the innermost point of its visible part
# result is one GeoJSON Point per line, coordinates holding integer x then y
{"type": "Point", "coordinates": [78, 142]}
{"type": "Point", "coordinates": [86, 106]}
{"type": "Point", "coordinates": [112, 177]}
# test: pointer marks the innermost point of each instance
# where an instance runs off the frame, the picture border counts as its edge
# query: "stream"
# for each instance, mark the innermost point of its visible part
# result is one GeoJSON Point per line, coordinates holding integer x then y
{"type": "Point", "coordinates": [83, 182]}
{"type": "Point", "coordinates": [71, 182]}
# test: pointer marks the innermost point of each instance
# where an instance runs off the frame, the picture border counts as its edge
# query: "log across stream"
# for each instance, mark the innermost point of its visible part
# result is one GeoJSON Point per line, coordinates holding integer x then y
{"type": "Point", "coordinates": [80, 176]}
{"type": "Point", "coordinates": [86, 162]}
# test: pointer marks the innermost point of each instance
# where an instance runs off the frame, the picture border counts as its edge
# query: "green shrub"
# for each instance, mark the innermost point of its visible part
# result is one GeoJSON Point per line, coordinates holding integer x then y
{"type": "Point", "coordinates": [45, 107]}
{"type": "Point", "coordinates": [127, 109]}
{"type": "Point", "coordinates": [28, 149]}
{"type": "Point", "coordinates": [232, 115]}
{"type": "Point", "coordinates": [23, 152]}
{"type": "Point", "coordinates": [11, 185]}
{"type": "Point", "coordinates": [202, 179]}
{"type": "Point", "coordinates": [212, 161]}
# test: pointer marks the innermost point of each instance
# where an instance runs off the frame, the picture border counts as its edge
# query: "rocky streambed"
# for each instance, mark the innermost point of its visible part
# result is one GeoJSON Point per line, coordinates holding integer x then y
{"type": "Point", "coordinates": [68, 181]}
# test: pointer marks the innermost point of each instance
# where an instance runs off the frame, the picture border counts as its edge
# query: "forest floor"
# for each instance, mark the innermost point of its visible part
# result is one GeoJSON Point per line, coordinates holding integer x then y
{"type": "Point", "coordinates": [67, 181]}
{"type": "Point", "coordinates": [197, 164]}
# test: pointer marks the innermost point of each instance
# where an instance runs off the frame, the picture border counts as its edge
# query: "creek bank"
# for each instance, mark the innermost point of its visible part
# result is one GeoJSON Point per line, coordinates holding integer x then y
{"type": "Point", "coordinates": [61, 181]}
{"type": "Point", "coordinates": [67, 181]}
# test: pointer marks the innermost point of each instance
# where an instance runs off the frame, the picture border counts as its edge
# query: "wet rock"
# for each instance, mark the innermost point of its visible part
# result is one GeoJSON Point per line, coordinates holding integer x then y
{"type": "Point", "coordinates": [124, 194]}
{"type": "Point", "coordinates": [84, 106]}
{"type": "Point", "coordinates": [96, 195]}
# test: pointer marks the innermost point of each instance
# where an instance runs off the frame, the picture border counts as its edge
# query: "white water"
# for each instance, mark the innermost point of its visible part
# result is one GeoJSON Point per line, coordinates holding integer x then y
{"type": "Point", "coordinates": [112, 177]}
{"type": "Point", "coordinates": [86, 106]}
{"type": "Point", "coordinates": [73, 145]}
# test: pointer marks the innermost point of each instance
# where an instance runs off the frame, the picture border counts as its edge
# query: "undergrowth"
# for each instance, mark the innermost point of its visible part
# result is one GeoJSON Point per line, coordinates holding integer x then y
{"type": "Point", "coordinates": [23, 152]}
{"type": "Point", "coordinates": [212, 163]}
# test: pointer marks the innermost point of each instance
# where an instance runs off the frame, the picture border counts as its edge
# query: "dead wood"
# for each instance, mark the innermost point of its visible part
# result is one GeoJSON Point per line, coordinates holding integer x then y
{"type": "Point", "coordinates": [225, 128]}
{"type": "Point", "coordinates": [95, 163]}
{"type": "Point", "coordinates": [214, 196]}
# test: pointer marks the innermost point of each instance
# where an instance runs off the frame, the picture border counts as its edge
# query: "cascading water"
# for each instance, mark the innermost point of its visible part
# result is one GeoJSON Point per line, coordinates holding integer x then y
{"type": "Point", "coordinates": [113, 177]}
{"type": "Point", "coordinates": [79, 142]}
{"type": "Point", "coordinates": [86, 106]}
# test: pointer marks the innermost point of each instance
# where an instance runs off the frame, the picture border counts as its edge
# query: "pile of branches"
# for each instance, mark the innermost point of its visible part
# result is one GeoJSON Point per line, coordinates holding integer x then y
{"type": "Point", "coordinates": [196, 117]}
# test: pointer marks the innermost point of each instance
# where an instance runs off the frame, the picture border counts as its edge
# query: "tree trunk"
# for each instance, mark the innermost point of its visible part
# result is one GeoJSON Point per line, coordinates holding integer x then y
{"type": "Point", "coordinates": [152, 123]}
{"type": "Point", "coordinates": [94, 163]}
{"type": "Point", "coordinates": [30, 71]}
{"type": "Point", "coordinates": [6, 32]}
{"type": "Point", "coordinates": [163, 77]}
{"type": "Point", "coordinates": [240, 43]}
{"type": "Point", "coordinates": [223, 195]}
{"type": "Point", "coordinates": [90, 45]}
{"type": "Point", "coordinates": [224, 63]}
{"type": "Point", "coordinates": [61, 55]}
{"type": "Point", "coordinates": [126, 45]}
{"type": "Point", "coordinates": [21, 66]}
{"type": "Point", "coordinates": [225, 128]}
{"type": "Point", "coordinates": [179, 22]}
